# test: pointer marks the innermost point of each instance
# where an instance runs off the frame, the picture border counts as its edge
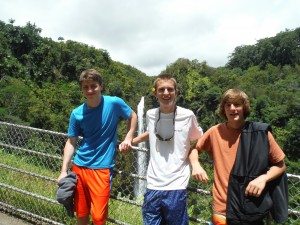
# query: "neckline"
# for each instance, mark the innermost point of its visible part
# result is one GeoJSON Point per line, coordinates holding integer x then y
{"type": "Point", "coordinates": [235, 129]}
{"type": "Point", "coordinates": [91, 108]}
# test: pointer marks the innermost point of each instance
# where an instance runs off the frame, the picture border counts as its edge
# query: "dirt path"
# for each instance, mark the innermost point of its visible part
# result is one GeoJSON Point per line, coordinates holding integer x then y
{"type": "Point", "coordinates": [7, 219]}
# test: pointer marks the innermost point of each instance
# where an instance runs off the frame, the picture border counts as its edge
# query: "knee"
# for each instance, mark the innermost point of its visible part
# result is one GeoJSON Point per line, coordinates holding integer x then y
{"type": "Point", "coordinates": [99, 219]}
{"type": "Point", "coordinates": [83, 220]}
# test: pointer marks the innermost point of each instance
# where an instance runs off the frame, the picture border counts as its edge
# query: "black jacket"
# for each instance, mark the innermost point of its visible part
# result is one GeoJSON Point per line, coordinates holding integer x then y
{"type": "Point", "coordinates": [252, 161]}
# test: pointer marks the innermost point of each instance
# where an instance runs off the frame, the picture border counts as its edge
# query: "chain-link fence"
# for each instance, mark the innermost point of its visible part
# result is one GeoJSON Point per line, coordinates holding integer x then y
{"type": "Point", "coordinates": [30, 162]}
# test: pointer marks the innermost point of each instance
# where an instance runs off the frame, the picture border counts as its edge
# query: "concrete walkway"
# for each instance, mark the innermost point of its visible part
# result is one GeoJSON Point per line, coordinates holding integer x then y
{"type": "Point", "coordinates": [7, 219]}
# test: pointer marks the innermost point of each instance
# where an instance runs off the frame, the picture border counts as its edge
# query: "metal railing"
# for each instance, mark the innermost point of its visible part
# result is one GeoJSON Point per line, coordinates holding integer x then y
{"type": "Point", "coordinates": [30, 162]}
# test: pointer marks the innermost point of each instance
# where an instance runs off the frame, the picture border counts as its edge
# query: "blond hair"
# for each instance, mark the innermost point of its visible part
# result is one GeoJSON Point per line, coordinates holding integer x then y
{"type": "Point", "coordinates": [234, 95]}
{"type": "Point", "coordinates": [164, 76]}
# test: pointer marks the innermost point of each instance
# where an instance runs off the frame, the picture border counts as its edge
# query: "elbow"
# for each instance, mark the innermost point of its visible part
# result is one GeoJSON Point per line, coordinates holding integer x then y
{"type": "Point", "coordinates": [134, 115]}
{"type": "Point", "coordinates": [281, 165]}
{"type": "Point", "coordinates": [284, 166]}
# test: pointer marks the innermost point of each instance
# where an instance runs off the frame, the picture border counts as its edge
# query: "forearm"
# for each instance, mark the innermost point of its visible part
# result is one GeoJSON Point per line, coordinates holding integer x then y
{"type": "Point", "coordinates": [198, 173]}
{"type": "Point", "coordinates": [141, 138]}
{"type": "Point", "coordinates": [256, 186]}
{"type": "Point", "coordinates": [275, 171]}
{"type": "Point", "coordinates": [125, 145]}
{"type": "Point", "coordinates": [194, 157]}
{"type": "Point", "coordinates": [68, 154]}
{"type": "Point", "coordinates": [131, 127]}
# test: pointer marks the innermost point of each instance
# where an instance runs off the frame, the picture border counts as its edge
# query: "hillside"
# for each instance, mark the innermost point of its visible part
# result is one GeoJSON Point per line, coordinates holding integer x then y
{"type": "Point", "coordinates": [39, 87]}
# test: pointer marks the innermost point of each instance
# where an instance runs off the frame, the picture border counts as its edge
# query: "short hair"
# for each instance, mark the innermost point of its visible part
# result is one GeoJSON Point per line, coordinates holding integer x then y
{"type": "Point", "coordinates": [90, 74]}
{"type": "Point", "coordinates": [165, 76]}
{"type": "Point", "coordinates": [234, 95]}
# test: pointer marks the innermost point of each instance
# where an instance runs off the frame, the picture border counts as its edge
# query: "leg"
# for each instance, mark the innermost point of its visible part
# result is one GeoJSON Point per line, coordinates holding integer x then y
{"type": "Point", "coordinates": [83, 220]}
{"type": "Point", "coordinates": [175, 207]}
{"type": "Point", "coordinates": [99, 187]}
{"type": "Point", "coordinates": [82, 198]}
{"type": "Point", "coordinates": [151, 209]}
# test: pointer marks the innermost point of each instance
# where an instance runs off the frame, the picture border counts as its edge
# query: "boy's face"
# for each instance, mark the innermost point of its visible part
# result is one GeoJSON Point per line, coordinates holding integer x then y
{"type": "Point", "coordinates": [165, 92]}
{"type": "Point", "coordinates": [234, 111]}
{"type": "Point", "coordinates": [91, 89]}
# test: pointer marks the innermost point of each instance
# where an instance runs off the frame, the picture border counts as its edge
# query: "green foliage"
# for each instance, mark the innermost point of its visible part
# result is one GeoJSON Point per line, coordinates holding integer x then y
{"type": "Point", "coordinates": [41, 187]}
{"type": "Point", "coordinates": [49, 105]}
{"type": "Point", "coordinates": [13, 99]}
{"type": "Point", "coordinates": [39, 81]}
{"type": "Point", "coordinates": [283, 49]}
{"type": "Point", "coordinates": [123, 211]}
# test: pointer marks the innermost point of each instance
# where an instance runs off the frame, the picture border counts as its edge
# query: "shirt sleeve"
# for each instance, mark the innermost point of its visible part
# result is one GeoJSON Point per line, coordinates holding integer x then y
{"type": "Point", "coordinates": [124, 109]}
{"type": "Point", "coordinates": [196, 131]}
{"type": "Point", "coordinates": [276, 154]}
{"type": "Point", "coordinates": [204, 142]}
{"type": "Point", "coordinates": [74, 127]}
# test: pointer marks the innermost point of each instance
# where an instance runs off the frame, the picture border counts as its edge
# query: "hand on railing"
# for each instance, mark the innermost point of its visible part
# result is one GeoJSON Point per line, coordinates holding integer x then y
{"type": "Point", "coordinates": [125, 146]}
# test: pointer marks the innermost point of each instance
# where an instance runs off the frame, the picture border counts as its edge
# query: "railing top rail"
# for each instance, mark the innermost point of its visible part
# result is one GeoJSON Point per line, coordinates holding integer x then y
{"type": "Point", "coordinates": [293, 176]}
{"type": "Point", "coordinates": [34, 129]}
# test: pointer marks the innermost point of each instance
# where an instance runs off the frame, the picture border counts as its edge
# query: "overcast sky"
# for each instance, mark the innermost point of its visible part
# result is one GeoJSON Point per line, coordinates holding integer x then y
{"type": "Point", "coordinates": [151, 34]}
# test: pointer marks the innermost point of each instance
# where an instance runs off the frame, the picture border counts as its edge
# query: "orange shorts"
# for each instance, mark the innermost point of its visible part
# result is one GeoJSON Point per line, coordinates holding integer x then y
{"type": "Point", "coordinates": [218, 219]}
{"type": "Point", "coordinates": [92, 193]}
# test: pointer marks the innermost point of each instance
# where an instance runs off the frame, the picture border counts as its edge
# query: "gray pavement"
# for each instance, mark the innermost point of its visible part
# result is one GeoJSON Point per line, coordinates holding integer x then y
{"type": "Point", "coordinates": [7, 219]}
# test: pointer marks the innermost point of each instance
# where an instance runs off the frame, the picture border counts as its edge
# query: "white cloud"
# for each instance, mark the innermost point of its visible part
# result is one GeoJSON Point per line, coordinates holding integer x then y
{"type": "Point", "coordinates": [151, 34]}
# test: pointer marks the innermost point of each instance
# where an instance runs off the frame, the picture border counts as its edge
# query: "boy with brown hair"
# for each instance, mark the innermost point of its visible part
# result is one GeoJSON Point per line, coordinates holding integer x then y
{"type": "Point", "coordinates": [170, 130]}
{"type": "Point", "coordinates": [96, 121]}
{"type": "Point", "coordinates": [245, 156]}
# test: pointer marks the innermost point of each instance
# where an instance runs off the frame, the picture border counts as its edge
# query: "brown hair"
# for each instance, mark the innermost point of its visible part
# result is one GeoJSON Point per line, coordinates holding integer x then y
{"type": "Point", "coordinates": [90, 74]}
{"type": "Point", "coordinates": [164, 76]}
{"type": "Point", "coordinates": [234, 95]}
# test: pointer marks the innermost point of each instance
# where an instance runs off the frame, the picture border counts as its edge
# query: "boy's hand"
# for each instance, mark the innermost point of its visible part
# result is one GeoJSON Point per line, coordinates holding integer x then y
{"type": "Point", "coordinates": [198, 173]}
{"type": "Point", "coordinates": [62, 175]}
{"type": "Point", "coordinates": [125, 146]}
{"type": "Point", "coordinates": [256, 186]}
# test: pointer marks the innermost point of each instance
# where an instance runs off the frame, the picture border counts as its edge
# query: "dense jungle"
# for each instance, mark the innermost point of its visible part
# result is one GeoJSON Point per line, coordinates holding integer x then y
{"type": "Point", "coordinates": [39, 82]}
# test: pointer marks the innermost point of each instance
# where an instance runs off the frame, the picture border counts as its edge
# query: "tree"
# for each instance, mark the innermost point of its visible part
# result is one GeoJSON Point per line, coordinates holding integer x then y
{"type": "Point", "coordinates": [13, 100]}
{"type": "Point", "coordinates": [283, 49]}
